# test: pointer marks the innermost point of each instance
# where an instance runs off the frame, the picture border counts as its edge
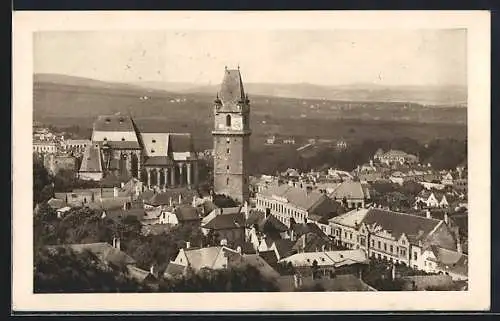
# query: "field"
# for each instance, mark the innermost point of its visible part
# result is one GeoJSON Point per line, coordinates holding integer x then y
{"type": "Point", "coordinates": [64, 105]}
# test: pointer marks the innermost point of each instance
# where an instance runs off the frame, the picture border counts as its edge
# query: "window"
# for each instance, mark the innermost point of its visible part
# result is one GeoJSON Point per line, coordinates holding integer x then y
{"type": "Point", "coordinates": [350, 236]}
{"type": "Point", "coordinates": [123, 139]}
{"type": "Point", "coordinates": [403, 252]}
{"type": "Point", "coordinates": [362, 241]}
{"type": "Point", "coordinates": [391, 248]}
{"type": "Point", "coordinates": [379, 245]}
{"type": "Point", "coordinates": [227, 167]}
{"type": "Point", "coordinates": [228, 120]}
{"type": "Point", "coordinates": [154, 140]}
{"type": "Point", "coordinates": [415, 267]}
{"type": "Point", "coordinates": [152, 151]}
{"type": "Point", "coordinates": [228, 140]}
{"type": "Point", "coordinates": [105, 139]}
{"type": "Point", "coordinates": [385, 246]}
{"type": "Point", "coordinates": [227, 151]}
{"type": "Point", "coordinates": [227, 181]}
{"type": "Point", "coordinates": [415, 255]}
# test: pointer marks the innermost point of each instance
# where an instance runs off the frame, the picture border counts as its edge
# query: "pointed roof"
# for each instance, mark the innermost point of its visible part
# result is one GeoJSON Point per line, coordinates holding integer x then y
{"type": "Point", "coordinates": [231, 89]}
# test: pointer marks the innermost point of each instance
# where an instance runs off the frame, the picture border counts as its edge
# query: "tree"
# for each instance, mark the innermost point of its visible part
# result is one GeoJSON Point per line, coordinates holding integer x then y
{"type": "Point", "coordinates": [64, 271]}
{"type": "Point", "coordinates": [41, 179]}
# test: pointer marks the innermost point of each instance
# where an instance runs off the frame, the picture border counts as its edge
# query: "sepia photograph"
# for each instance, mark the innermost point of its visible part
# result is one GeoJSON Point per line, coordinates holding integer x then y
{"type": "Point", "coordinates": [181, 160]}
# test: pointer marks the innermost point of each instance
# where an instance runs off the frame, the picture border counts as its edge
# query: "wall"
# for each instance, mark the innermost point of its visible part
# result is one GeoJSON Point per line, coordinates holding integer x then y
{"type": "Point", "coordinates": [90, 176]}
{"type": "Point", "coordinates": [159, 146]}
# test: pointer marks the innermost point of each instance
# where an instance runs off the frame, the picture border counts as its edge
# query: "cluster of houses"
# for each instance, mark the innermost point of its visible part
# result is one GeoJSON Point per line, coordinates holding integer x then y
{"type": "Point", "coordinates": [324, 221]}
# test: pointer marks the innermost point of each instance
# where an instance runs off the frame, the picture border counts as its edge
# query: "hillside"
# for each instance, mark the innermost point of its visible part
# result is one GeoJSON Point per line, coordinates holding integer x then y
{"type": "Point", "coordinates": [444, 95]}
{"type": "Point", "coordinates": [72, 101]}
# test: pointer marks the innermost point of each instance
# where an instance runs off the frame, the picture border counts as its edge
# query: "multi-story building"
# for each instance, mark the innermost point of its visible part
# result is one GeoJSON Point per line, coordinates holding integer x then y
{"type": "Point", "coordinates": [289, 203]}
{"type": "Point", "coordinates": [395, 237]}
{"type": "Point", "coordinates": [44, 147]}
{"type": "Point", "coordinates": [395, 157]}
{"type": "Point", "coordinates": [231, 136]}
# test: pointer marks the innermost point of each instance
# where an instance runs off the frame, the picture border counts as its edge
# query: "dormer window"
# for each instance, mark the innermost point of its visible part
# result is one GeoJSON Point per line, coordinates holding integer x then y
{"type": "Point", "coordinates": [152, 151]}
{"type": "Point", "coordinates": [123, 139]}
{"type": "Point", "coordinates": [108, 120]}
{"type": "Point", "coordinates": [154, 140]}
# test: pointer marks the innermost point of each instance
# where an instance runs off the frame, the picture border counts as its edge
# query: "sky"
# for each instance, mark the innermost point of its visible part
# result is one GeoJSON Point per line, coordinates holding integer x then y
{"type": "Point", "coordinates": [323, 57]}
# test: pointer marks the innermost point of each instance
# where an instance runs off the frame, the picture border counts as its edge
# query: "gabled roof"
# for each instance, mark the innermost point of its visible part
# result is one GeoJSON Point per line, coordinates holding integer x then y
{"type": "Point", "coordinates": [231, 220]}
{"type": "Point", "coordinates": [258, 262]}
{"type": "Point", "coordinates": [299, 197]}
{"type": "Point", "coordinates": [187, 213]}
{"type": "Point", "coordinates": [91, 161]}
{"type": "Point", "coordinates": [413, 226]}
{"type": "Point", "coordinates": [451, 261]}
{"type": "Point", "coordinates": [349, 190]}
{"type": "Point", "coordinates": [114, 123]}
{"type": "Point", "coordinates": [259, 218]}
{"type": "Point", "coordinates": [56, 203]}
{"type": "Point", "coordinates": [351, 218]}
{"type": "Point", "coordinates": [104, 251]}
{"type": "Point", "coordinates": [175, 270]}
{"type": "Point", "coordinates": [231, 89]}
{"type": "Point", "coordinates": [314, 242]}
{"type": "Point", "coordinates": [270, 257]}
{"type": "Point", "coordinates": [121, 213]}
{"type": "Point", "coordinates": [284, 247]}
{"type": "Point", "coordinates": [325, 210]}
{"type": "Point", "coordinates": [180, 143]}
{"type": "Point", "coordinates": [138, 274]}
{"type": "Point", "coordinates": [206, 257]}
{"type": "Point", "coordinates": [330, 258]}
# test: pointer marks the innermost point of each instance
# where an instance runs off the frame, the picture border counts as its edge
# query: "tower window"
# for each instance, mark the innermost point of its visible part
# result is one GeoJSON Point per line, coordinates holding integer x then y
{"type": "Point", "coordinates": [123, 139]}
{"type": "Point", "coordinates": [227, 167]}
{"type": "Point", "coordinates": [105, 139]}
{"type": "Point", "coordinates": [227, 181]}
{"type": "Point", "coordinates": [152, 151]}
{"type": "Point", "coordinates": [228, 140]}
{"type": "Point", "coordinates": [227, 151]}
{"type": "Point", "coordinates": [154, 140]}
{"type": "Point", "coordinates": [228, 120]}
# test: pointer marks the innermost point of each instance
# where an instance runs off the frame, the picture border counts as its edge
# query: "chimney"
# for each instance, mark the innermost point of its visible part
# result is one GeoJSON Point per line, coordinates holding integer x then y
{"type": "Point", "coordinates": [152, 269]}
{"type": "Point", "coordinates": [428, 213]}
{"type": "Point", "coordinates": [188, 245]}
{"type": "Point", "coordinates": [238, 249]}
{"type": "Point", "coordinates": [124, 206]}
{"type": "Point", "coordinates": [122, 184]}
{"type": "Point", "coordinates": [170, 201]}
{"type": "Point", "coordinates": [180, 198]}
{"type": "Point", "coordinates": [393, 274]}
{"type": "Point", "coordinates": [371, 162]}
{"type": "Point", "coordinates": [194, 201]}
{"type": "Point", "coordinates": [304, 242]}
{"type": "Point", "coordinates": [116, 243]}
{"type": "Point", "coordinates": [115, 191]}
{"type": "Point", "coordinates": [446, 218]}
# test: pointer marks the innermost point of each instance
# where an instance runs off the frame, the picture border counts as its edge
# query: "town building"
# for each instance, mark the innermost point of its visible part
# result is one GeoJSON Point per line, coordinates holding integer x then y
{"type": "Point", "coordinates": [393, 157]}
{"type": "Point", "coordinates": [76, 146]}
{"type": "Point", "coordinates": [396, 237]}
{"type": "Point", "coordinates": [44, 147]}
{"type": "Point", "coordinates": [231, 136]}
{"type": "Point", "coordinates": [289, 203]}
{"type": "Point", "coordinates": [126, 148]}
{"type": "Point", "coordinates": [353, 193]}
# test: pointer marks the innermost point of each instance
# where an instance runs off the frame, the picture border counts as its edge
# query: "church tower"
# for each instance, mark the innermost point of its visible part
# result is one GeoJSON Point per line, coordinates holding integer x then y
{"type": "Point", "coordinates": [231, 137]}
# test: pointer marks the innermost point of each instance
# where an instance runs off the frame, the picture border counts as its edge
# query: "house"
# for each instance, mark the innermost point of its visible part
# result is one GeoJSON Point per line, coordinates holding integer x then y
{"type": "Point", "coordinates": [227, 225]}
{"type": "Point", "coordinates": [291, 203]}
{"type": "Point", "coordinates": [181, 215]}
{"type": "Point", "coordinates": [393, 157]}
{"type": "Point", "coordinates": [55, 203]}
{"type": "Point", "coordinates": [345, 228]}
{"type": "Point", "coordinates": [261, 225]}
{"type": "Point", "coordinates": [444, 261]}
{"type": "Point", "coordinates": [121, 213]}
{"type": "Point", "coordinates": [327, 261]}
{"type": "Point", "coordinates": [392, 236]}
{"type": "Point", "coordinates": [281, 247]}
{"type": "Point", "coordinates": [173, 196]}
{"type": "Point", "coordinates": [196, 259]}
{"type": "Point", "coordinates": [353, 194]}
{"type": "Point", "coordinates": [62, 211]}
{"type": "Point", "coordinates": [256, 261]}
{"type": "Point", "coordinates": [312, 242]}
{"type": "Point", "coordinates": [432, 198]}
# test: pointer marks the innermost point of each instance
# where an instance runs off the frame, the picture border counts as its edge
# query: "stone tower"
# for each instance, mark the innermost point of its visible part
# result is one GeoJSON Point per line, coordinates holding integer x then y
{"type": "Point", "coordinates": [231, 137]}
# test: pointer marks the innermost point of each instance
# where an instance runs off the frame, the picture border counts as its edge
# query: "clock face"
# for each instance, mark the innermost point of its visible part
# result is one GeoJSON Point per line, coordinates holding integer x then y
{"type": "Point", "coordinates": [237, 123]}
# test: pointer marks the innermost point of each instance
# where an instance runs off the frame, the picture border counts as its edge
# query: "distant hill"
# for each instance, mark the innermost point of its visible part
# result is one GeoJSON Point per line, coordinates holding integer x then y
{"type": "Point", "coordinates": [426, 95]}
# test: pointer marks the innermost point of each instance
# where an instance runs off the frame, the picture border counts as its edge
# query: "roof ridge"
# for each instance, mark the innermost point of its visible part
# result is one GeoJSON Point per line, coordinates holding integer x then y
{"type": "Point", "coordinates": [408, 214]}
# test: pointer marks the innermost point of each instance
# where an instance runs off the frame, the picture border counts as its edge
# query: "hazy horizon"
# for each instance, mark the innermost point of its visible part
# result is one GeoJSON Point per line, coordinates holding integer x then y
{"type": "Point", "coordinates": [347, 57]}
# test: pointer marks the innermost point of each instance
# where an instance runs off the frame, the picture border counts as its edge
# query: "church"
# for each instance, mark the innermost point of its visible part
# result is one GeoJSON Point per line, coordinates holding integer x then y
{"type": "Point", "coordinates": [125, 149]}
